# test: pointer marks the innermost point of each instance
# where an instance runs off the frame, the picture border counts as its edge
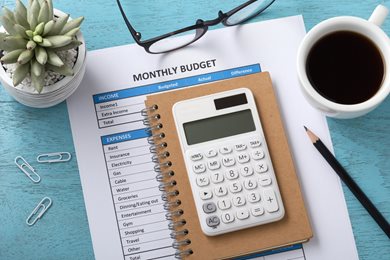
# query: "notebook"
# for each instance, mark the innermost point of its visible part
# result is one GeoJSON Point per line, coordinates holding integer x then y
{"type": "Point", "coordinates": [293, 228]}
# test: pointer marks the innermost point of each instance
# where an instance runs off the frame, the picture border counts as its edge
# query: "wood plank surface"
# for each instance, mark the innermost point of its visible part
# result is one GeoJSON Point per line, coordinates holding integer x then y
{"type": "Point", "coordinates": [362, 145]}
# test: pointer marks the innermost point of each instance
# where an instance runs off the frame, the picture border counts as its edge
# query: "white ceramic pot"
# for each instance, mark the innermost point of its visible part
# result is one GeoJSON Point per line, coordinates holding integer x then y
{"type": "Point", "coordinates": [53, 94]}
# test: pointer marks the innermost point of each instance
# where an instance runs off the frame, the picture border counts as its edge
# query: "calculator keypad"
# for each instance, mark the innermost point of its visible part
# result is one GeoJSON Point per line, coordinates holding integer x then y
{"type": "Point", "coordinates": [236, 186]}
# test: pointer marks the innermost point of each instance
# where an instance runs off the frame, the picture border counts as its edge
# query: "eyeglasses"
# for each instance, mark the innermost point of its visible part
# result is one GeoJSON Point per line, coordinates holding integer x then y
{"type": "Point", "coordinates": [169, 42]}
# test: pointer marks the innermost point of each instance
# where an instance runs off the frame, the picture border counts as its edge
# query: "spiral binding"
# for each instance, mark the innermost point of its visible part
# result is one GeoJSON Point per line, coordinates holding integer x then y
{"type": "Point", "coordinates": [167, 182]}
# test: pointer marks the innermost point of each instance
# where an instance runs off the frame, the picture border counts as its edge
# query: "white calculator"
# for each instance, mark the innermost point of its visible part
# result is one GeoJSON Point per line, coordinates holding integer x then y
{"type": "Point", "coordinates": [228, 162]}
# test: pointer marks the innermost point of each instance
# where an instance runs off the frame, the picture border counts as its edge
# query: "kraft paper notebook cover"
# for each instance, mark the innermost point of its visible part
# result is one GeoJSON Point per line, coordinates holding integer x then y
{"type": "Point", "coordinates": [292, 229]}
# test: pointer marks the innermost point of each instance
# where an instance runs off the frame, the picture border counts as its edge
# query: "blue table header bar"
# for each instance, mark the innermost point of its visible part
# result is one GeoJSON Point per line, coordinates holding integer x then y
{"type": "Point", "coordinates": [123, 137]}
{"type": "Point", "coordinates": [175, 84]}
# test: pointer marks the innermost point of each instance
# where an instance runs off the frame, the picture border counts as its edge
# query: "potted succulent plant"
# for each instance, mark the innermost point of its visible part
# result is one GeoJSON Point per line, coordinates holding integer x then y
{"type": "Point", "coordinates": [41, 51]}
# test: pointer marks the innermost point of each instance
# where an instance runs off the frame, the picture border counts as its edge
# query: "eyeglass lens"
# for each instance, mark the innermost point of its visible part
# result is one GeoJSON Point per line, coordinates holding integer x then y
{"type": "Point", "coordinates": [175, 41]}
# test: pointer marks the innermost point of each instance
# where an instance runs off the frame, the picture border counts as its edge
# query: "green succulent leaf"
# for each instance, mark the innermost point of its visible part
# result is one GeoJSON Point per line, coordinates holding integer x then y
{"type": "Point", "coordinates": [45, 43]}
{"type": "Point", "coordinates": [32, 14]}
{"type": "Point", "coordinates": [12, 56]}
{"type": "Point", "coordinates": [21, 14]}
{"type": "Point", "coordinates": [25, 56]}
{"type": "Point", "coordinates": [30, 33]}
{"type": "Point", "coordinates": [73, 32]}
{"type": "Point", "coordinates": [8, 24]}
{"type": "Point", "coordinates": [51, 12]}
{"type": "Point", "coordinates": [21, 20]}
{"type": "Point", "coordinates": [40, 55]}
{"type": "Point", "coordinates": [31, 45]}
{"type": "Point", "coordinates": [39, 29]}
{"type": "Point", "coordinates": [38, 81]}
{"type": "Point", "coordinates": [54, 59]}
{"type": "Point", "coordinates": [11, 43]}
{"type": "Point", "coordinates": [44, 13]}
{"type": "Point", "coordinates": [35, 7]}
{"type": "Point", "coordinates": [4, 46]}
{"type": "Point", "coordinates": [21, 9]}
{"type": "Point", "coordinates": [59, 25]}
{"type": "Point", "coordinates": [37, 39]}
{"type": "Point", "coordinates": [48, 27]}
{"type": "Point", "coordinates": [63, 70]}
{"type": "Point", "coordinates": [73, 44]}
{"type": "Point", "coordinates": [9, 14]}
{"type": "Point", "coordinates": [21, 31]}
{"type": "Point", "coordinates": [37, 68]}
{"type": "Point", "coordinates": [20, 73]}
{"type": "Point", "coordinates": [2, 37]}
{"type": "Point", "coordinates": [59, 40]}
{"type": "Point", "coordinates": [72, 24]}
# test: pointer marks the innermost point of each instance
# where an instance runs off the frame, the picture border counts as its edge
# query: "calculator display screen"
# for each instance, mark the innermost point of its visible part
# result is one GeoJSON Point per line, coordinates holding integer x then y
{"type": "Point", "coordinates": [219, 127]}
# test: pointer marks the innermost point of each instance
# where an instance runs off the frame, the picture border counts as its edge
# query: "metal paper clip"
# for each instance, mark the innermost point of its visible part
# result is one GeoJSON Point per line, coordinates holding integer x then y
{"type": "Point", "coordinates": [54, 157]}
{"type": "Point", "coordinates": [39, 210]}
{"type": "Point", "coordinates": [30, 173]}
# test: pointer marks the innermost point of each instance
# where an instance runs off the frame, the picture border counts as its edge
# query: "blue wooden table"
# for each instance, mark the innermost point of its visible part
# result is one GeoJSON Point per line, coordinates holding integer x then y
{"type": "Point", "coordinates": [362, 145]}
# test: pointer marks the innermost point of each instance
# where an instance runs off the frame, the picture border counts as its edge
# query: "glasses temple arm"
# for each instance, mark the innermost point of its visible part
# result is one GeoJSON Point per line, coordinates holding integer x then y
{"type": "Point", "coordinates": [134, 33]}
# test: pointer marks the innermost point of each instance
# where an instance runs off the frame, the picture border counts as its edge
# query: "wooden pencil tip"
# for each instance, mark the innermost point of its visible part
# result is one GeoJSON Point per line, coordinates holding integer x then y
{"type": "Point", "coordinates": [311, 135]}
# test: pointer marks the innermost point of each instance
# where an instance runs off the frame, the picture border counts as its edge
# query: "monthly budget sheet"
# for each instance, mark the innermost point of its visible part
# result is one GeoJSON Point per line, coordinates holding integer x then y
{"type": "Point", "coordinates": [125, 211]}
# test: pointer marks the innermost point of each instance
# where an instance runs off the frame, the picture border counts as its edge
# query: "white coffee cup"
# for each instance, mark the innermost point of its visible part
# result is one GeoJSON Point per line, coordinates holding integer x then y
{"type": "Point", "coordinates": [369, 28]}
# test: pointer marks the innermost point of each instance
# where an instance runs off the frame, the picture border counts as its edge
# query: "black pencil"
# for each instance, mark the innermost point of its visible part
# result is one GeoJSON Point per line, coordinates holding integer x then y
{"type": "Point", "coordinates": [349, 182]}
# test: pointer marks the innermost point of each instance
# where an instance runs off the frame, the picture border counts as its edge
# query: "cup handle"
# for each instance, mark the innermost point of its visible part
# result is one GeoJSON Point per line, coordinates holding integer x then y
{"type": "Point", "coordinates": [379, 15]}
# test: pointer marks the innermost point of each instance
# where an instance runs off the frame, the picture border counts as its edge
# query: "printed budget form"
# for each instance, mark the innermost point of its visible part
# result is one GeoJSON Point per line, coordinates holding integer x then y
{"type": "Point", "coordinates": [123, 202]}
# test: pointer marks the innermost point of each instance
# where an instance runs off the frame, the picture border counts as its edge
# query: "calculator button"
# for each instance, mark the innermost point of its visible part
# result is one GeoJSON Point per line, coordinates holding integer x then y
{"type": "Point", "coordinates": [206, 194]}
{"type": "Point", "coordinates": [211, 153]}
{"type": "Point", "coordinates": [217, 177]}
{"type": "Point", "coordinates": [269, 200]}
{"type": "Point", "coordinates": [225, 150]}
{"type": "Point", "coordinates": [220, 191]}
{"type": "Point", "coordinates": [196, 156]}
{"type": "Point", "coordinates": [239, 200]}
{"type": "Point", "coordinates": [261, 167]}
{"type": "Point", "coordinates": [253, 197]}
{"type": "Point", "coordinates": [250, 184]}
{"type": "Point", "coordinates": [209, 207]}
{"type": "Point", "coordinates": [202, 181]}
{"type": "Point", "coordinates": [242, 214]}
{"type": "Point", "coordinates": [243, 158]}
{"type": "Point", "coordinates": [257, 211]}
{"type": "Point", "coordinates": [246, 171]}
{"type": "Point", "coordinates": [265, 180]}
{"type": "Point", "coordinates": [212, 221]}
{"type": "Point", "coordinates": [199, 167]}
{"type": "Point", "coordinates": [228, 161]}
{"type": "Point", "coordinates": [240, 147]}
{"type": "Point", "coordinates": [213, 165]}
{"type": "Point", "coordinates": [257, 154]}
{"type": "Point", "coordinates": [235, 187]}
{"type": "Point", "coordinates": [224, 204]}
{"type": "Point", "coordinates": [231, 174]}
{"type": "Point", "coordinates": [255, 143]}
{"type": "Point", "coordinates": [227, 217]}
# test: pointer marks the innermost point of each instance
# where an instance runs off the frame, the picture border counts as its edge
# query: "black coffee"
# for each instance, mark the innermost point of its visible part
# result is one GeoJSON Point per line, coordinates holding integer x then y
{"type": "Point", "coordinates": [345, 67]}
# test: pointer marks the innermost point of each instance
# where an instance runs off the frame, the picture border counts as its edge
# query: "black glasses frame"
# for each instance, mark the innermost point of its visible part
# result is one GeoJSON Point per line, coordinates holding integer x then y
{"type": "Point", "coordinates": [200, 26]}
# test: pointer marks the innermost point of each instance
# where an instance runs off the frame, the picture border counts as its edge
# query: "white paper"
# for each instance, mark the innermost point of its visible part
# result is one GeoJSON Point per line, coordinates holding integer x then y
{"type": "Point", "coordinates": [272, 44]}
